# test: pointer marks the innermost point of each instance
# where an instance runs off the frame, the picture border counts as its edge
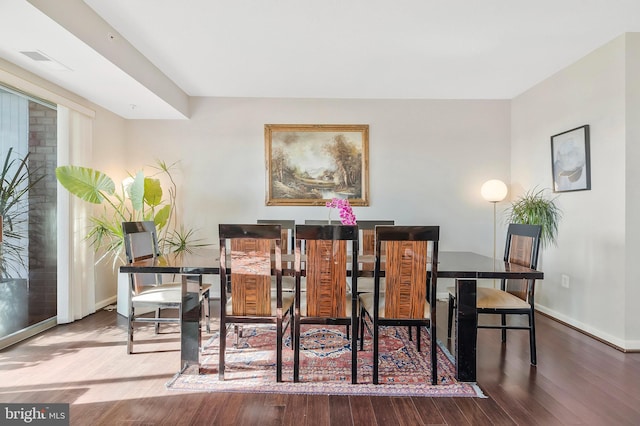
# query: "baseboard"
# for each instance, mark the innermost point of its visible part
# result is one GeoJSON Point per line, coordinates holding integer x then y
{"type": "Point", "coordinates": [614, 342]}
{"type": "Point", "coordinates": [25, 333]}
{"type": "Point", "coordinates": [106, 302]}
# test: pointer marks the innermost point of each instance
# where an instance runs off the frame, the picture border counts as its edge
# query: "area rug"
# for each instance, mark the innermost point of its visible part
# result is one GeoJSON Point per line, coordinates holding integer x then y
{"type": "Point", "coordinates": [325, 365]}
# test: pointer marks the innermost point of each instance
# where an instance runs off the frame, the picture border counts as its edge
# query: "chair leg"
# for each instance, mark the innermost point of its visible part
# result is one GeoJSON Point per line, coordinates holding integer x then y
{"type": "Point", "coordinates": [410, 333]}
{"type": "Point", "coordinates": [452, 303]}
{"type": "Point", "coordinates": [503, 321]}
{"type": "Point", "coordinates": [279, 349]}
{"type": "Point", "coordinates": [375, 353]}
{"type": "Point", "coordinates": [130, 331]}
{"type": "Point", "coordinates": [223, 347]}
{"type": "Point", "coordinates": [532, 338]}
{"type": "Point", "coordinates": [291, 324]}
{"type": "Point", "coordinates": [434, 354]}
{"type": "Point", "coordinates": [354, 350]}
{"type": "Point", "coordinates": [296, 349]}
{"type": "Point", "coordinates": [158, 314]}
{"type": "Point", "coordinates": [361, 319]}
{"type": "Point", "coordinates": [207, 311]}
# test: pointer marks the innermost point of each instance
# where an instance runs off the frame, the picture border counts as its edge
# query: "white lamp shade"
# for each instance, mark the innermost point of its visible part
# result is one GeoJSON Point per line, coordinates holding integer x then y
{"type": "Point", "coordinates": [494, 190]}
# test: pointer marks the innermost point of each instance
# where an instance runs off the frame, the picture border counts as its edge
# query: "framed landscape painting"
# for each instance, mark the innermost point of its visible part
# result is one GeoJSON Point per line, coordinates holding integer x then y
{"type": "Point", "coordinates": [309, 164]}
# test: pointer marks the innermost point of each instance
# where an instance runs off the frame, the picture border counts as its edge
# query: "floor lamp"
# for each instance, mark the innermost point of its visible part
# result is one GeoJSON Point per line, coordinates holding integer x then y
{"type": "Point", "coordinates": [494, 191]}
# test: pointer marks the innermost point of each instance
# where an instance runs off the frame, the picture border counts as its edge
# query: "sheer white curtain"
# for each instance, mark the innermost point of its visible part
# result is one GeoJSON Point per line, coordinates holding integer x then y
{"type": "Point", "coordinates": [76, 285]}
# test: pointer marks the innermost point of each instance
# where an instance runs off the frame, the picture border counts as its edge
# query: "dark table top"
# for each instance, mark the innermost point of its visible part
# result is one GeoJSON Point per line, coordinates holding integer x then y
{"type": "Point", "coordinates": [451, 264]}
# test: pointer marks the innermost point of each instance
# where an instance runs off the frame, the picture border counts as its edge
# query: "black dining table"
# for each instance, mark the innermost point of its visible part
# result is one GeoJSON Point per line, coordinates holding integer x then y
{"type": "Point", "coordinates": [464, 267]}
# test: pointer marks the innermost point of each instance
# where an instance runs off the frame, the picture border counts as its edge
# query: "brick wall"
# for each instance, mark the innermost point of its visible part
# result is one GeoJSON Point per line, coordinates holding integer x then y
{"type": "Point", "coordinates": [42, 212]}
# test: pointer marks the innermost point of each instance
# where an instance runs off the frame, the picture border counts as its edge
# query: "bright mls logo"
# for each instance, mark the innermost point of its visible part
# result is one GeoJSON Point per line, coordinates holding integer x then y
{"type": "Point", "coordinates": [34, 414]}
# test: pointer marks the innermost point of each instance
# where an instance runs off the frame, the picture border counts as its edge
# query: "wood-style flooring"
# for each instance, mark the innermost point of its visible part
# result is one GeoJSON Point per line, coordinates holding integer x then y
{"type": "Point", "coordinates": [578, 380]}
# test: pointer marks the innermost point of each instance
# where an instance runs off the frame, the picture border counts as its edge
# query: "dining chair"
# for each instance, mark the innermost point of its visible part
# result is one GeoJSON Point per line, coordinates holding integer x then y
{"type": "Point", "coordinates": [256, 295]}
{"type": "Point", "coordinates": [368, 248]}
{"type": "Point", "coordinates": [319, 222]}
{"type": "Point", "coordinates": [514, 297]}
{"type": "Point", "coordinates": [324, 276]}
{"type": "Point", "coordinates": [288, 228]}
{"type": "Point", "coordinates": [411, 267]}
{"type": "Point", "coordinates": [148, 291]}
{"type": "Point", "coordinates": [286, 248]}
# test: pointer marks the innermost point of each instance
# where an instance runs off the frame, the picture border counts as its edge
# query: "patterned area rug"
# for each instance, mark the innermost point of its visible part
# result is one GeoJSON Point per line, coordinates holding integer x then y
{"type": "Point", "coordinates": [325, 365]}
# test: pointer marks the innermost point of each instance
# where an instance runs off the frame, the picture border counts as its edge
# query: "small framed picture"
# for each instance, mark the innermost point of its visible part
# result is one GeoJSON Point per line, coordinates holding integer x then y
{"type": "Point", "coordinates": [570, 161]}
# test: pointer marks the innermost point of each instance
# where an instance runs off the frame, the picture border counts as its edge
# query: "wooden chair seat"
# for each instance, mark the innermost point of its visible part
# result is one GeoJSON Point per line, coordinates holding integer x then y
{"type": "Point", "coordinates": [492, 298]}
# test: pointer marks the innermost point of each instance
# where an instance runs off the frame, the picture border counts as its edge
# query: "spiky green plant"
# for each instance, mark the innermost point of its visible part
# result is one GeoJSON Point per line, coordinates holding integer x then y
{"type": "Point", "coordinates": [534, 208]}
{"type": "Point", "coordinates": [15, 182]}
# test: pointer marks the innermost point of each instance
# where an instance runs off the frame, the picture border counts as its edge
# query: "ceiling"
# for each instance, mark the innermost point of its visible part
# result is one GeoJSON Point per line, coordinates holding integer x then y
{"type": "Point", "coordinates": [145, 58]}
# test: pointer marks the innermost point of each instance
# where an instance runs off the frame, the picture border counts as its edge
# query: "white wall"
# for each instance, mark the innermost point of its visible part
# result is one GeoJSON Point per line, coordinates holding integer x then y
{"type": "Point", "coordinates": [591, 244]}
{"type": "Point", "coordinates": [109, 149]}
{"type": "Point", "coordinates": [427, 159]}
{"type": "Point", "coordinates": [632, 187]}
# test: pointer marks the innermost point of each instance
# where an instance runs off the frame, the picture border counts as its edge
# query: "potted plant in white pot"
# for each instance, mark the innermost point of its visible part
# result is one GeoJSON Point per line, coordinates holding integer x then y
{"type": "Point", "coordinates": [16, 180]}
{"type": "Point", "coordinates": [139, 198]}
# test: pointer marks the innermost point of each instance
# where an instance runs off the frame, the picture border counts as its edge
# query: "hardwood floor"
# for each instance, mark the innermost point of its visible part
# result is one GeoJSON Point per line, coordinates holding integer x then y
{"type": "Point", "coordinates": [578, 380]}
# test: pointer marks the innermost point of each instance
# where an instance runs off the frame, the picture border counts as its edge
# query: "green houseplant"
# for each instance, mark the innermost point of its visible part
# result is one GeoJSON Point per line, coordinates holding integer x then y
{"type": "Point", "coordinates": [139, 198]}
{"type": "Point", "coordinates": [534, 208]}
{"type": "Point", "coordinates": [15, 182]}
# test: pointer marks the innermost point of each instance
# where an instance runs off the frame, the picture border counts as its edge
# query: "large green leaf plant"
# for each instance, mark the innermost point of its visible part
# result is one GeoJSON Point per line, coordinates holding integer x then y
{"type": "Point", "coordinates": [139, 198]}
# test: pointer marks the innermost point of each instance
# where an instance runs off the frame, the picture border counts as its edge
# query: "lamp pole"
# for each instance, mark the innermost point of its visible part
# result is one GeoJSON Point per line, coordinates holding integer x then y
{"type": "Point", "coordinates": [494, 191]}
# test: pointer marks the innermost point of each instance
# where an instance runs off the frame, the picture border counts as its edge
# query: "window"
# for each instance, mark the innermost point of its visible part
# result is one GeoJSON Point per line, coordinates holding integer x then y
{"type": "Point", "coordinates": [28, 261]}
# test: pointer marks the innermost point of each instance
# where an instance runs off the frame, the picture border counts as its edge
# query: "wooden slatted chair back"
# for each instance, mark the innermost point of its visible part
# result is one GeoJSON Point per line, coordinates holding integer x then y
{"type": "Point", "coordinates": [523, 243]}
{"type": "Point", "coordinates": [411, 253]}
{"type": "Point", "coordinates": [368, 240]}
{"type": "Point", "coordinates": [406, 279]}
{"type": "Point", "coordinates": [326, 267]}
{"type": "Point", "coordinates": [250, 266]}
{"type": "Point", "coordinates": [251, 277]}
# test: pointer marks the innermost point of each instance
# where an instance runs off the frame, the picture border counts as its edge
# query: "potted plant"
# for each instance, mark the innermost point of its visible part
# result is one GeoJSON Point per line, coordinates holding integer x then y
{"type": "Point", "coordinates": [534, 208]}
{"type": "Point", "coordinates": [139, 198]}
{"type": "Point", "coordinates": [15, 182]}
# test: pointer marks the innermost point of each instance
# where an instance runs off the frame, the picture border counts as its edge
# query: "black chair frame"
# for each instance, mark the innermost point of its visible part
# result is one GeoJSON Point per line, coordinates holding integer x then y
{"type": "Point", "coordinates": [329, 233]}
{"type": "Point", "coordinates": [523, 230]}
{"type": "Point", "coordinates": [252, 231]}
{"type": "Point", "coordinates": [403, 233]}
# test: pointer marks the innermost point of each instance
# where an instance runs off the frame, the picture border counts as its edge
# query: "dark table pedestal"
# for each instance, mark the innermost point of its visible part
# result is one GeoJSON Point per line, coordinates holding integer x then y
{"type": "Point", "coordinates": [191, 332]}
{"type": "Point", "coordinates": [466, 329]}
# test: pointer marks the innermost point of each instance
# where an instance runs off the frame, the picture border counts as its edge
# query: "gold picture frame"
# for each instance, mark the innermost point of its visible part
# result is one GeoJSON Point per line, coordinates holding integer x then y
{"type": "Point", "coordinates": [309, 164]}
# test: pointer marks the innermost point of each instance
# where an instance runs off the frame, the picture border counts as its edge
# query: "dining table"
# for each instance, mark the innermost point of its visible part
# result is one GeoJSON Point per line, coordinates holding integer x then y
{"type": "Point", "coordinates": [466, 268]}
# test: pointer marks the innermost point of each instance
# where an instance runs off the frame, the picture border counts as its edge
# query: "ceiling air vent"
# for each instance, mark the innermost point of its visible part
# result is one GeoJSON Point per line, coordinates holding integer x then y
{"type": "Point", "coordinates": [38, 56]}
